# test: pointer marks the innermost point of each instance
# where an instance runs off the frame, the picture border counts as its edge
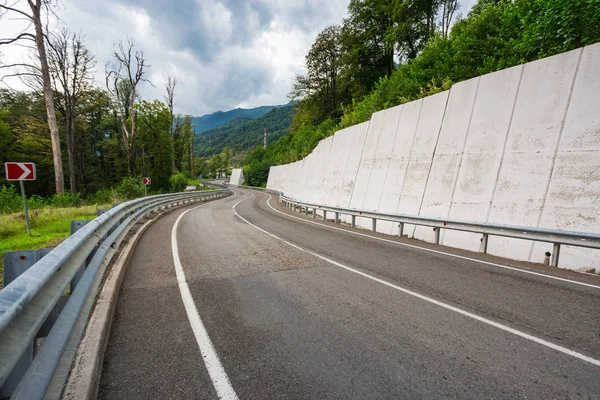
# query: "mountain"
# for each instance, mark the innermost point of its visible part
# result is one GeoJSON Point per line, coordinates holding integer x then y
{"type": "Point", "coordinates": [243, 132]}
{"type": "Point", "coordinates": [216, 119]}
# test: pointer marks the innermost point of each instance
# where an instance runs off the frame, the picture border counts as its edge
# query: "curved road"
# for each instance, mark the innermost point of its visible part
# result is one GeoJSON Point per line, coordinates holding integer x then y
{"type": "Point", "coordinates": [258, 302]}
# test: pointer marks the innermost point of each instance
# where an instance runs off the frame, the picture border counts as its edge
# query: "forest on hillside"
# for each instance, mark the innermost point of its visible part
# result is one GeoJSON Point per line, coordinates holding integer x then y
{"type": "Point", "coordinates": [387, 52]}
{"type": "Point", "coordinates": [245, 132]}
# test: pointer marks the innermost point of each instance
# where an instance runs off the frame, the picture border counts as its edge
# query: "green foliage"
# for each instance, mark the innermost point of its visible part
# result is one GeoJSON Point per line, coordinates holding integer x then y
{"type": "Point", "coordinates": [49, 227]}
{"type": "Point", "coordinates": [130, 188]}
{"type": "Point", "coordinates": [497, 34]}
{"type": "Point", "coordinates": [10, 200]}
{"type": "Point", "coordinates": [67, 199]}
{"type": "Point", "coordinates": [154, 120]}
{"type": "Point", "coordinates": [178, 182]}
{"type": "Point", "coordinates": [219, 118]}
{"type": "Point", "coordinates": [102, 196]}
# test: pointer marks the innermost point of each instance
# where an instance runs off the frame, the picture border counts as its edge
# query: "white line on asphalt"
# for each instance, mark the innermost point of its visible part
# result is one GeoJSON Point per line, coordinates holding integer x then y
{"type": "Point", "coordinates": [436, 251]}
{"type": "Point", "coordinates": [209, 354]}
{"type": "Point", "coordinates": [505, 328]}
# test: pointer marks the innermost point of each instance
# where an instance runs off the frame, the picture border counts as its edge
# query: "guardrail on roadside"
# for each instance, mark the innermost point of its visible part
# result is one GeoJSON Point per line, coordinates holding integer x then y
{"type": "Point", "coordinates": [555, 236]}
{"type": "Point", "coordinates": [28, 300]}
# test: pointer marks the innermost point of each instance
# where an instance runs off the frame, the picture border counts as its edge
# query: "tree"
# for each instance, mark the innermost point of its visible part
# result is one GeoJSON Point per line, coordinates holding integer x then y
{"type": "Point", "coordinates": [226, 155]}
{"type": "Point", "coordinates": [366, 36]}
{"type": "Point", "coordinates": [170, 99]}
{"type": "Point", "coordinates": [37, 7]}
{"type": "Point", "coordinates": [71, 67]}
{"type": "Point", "coordinates": [322, 83]}
{"type": "Point", "coordinates": [123, 76]}
{"type": "Point", "coordinates": [154, 119]}
{"type": "Point", "coordinates": [449, 7]}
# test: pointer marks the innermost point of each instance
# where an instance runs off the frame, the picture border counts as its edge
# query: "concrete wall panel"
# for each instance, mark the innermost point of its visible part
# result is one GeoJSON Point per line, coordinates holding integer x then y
{"type": "Point", "coordinates": [519, 146]}
{"type": "Point", "coordinates": [342, 146]}
{"type": "Point", "coordinates": [403, 143]}
{"type": "Point", "coordinates": [421, 156]}
{"type": "Point", "coordinates": [484, 149]}
{"type": "Point", "coordinates": [237, 176]}
{"type": "Point", "coordinates": [366, 165]}
{"type": "Point", "coordinates": [358, 142]}
{"type": "Point", "coordinates": [531, 145]}
{"type": "Point", "coordinates": [572, 200]}
{"type": "Point", "coordinates": [448, 155]}
{"type": "Point", "coordinates": [382, 157]}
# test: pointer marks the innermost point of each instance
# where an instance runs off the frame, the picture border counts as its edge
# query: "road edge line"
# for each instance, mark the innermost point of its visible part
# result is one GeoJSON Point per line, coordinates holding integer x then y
{"type": "Point", "coordinates": [476, 317]}
{"type": "Point", "coordinates": [412, 246]}
{"type": "Point", "coordinates": [218, 376]}
{"type": "Point", "coordinates": [83, 381]}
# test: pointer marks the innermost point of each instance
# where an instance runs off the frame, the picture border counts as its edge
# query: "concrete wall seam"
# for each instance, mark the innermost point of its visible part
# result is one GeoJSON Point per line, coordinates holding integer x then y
{"type": "Point", "coordinates": [519, 146]}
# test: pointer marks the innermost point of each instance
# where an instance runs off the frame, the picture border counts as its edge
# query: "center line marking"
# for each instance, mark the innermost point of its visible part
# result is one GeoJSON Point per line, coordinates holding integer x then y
{"type": "Point", "coordinates": [505, 328]}
{"type": "Point", "coordinates": [215, 369]}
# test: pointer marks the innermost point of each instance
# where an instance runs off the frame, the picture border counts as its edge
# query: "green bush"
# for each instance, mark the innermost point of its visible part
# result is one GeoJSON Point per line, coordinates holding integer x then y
{"type": "Point", "coordinates": [66, 199]}
{"type": "Point", "coordinates": [36, 202]}
{"type": "Point", "coordinates": [102, 196]}
{"type": "Point", "coordinates": [130, 188]}
{"type": "Point", "coordinates": [10, 200]}
{"type": "Point", "coordinates": [178, 182]}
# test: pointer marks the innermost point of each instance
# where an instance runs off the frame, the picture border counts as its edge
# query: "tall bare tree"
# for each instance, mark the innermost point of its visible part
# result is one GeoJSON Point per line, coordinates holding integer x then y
{"type": "Point", "coordinates": [449, 7]}
{"type": "Point", "coordinates": [71, 67]}
{"type": "Point", "coordinates": [170, 99]}
{"type": "Point", "coordinates": [123, 76]}
{"type": "Point", "coordinates": [34, 17]}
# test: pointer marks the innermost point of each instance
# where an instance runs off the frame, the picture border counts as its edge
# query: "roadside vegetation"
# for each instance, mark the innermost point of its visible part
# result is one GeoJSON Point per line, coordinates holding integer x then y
{"type": "Point", "coordinates": [387, 53]}
{"type": "Point", "coordinates": [50, 216]}
{"type": "Point", "coordinates": [49, 227]}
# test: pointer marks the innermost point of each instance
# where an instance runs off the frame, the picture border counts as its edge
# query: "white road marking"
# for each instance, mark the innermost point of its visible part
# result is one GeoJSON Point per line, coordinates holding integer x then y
{"type": "Point", "coordinates": [505, 328]}
{"type": "Point", "coordinates": [211, 359]}
{"type": "Point", "coordinates": [436, 251]}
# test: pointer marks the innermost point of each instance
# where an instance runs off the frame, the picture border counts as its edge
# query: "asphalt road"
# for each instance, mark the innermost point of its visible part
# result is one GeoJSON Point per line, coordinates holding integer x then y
{"type": "Point", "coordinates": [329, 314]}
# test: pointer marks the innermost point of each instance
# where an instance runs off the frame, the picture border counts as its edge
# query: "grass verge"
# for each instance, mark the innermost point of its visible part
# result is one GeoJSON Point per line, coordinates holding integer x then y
{"type": "Point", "coordinates": [49, 227]}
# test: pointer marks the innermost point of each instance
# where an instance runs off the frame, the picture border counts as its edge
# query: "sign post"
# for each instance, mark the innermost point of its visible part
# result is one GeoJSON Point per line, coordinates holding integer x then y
{"type": "Point", "coordinates": [146, 181]}
{"type": "Point", "coordinates": [25, 171]}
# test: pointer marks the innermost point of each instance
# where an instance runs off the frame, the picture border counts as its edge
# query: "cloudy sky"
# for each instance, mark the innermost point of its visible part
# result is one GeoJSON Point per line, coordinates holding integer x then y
{"type": "Point", "coordinates": [224, 53]}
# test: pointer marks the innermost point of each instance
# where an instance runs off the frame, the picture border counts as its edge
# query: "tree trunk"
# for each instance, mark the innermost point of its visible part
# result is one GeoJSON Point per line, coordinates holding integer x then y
{"type": "Point", "coordinates": [130, 155]}
{"type": "Point", "coordinates": [70, 139]}
{"type": "Point", "coordinates": [59, 179]}
{"type": "Point", "coordinates": [173, 167]}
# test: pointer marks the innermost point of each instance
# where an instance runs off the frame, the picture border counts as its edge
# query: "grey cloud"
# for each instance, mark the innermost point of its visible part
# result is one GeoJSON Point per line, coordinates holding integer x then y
{"type": "Point", "coordinates": [252, 64]}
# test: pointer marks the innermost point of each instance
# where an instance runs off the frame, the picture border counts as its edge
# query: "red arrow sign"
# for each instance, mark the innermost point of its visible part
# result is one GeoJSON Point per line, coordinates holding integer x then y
{"type": "Point", "coordinates": [146, 181]}
{"type": "Point", "coordinates": [16, 171]}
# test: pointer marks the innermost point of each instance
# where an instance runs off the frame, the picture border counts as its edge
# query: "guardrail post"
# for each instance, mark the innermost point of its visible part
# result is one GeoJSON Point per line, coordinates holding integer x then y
{"type": "Point", "coordinates": [337, 217]}
{"type": "Point", "coordinates": [314, 212]}
{"type": "Point", "coordinates": [437, 235]}
{"type": "Point", "coordinates": [324, 215]}
{"type": "Point", "coordinates": [401, 229]}
{"type": "Point", "coordinates": [374, 227]}
{"type": "Point", "coordinates": [555, 255]}
{"type": "Point", "coordinates": [354, 221]}
{"type": "Point", "coordinates": [484, 243]}
{"type": "Point", "coordinates": [16, 263]}
{"type": "Point", "coordinates": [306, 211]}
{"type": "Point", "coordinates": [75, 226]}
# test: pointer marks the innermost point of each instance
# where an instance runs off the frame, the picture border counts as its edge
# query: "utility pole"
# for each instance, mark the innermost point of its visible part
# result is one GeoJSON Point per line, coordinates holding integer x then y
{"type": "Point", "coordinates": [265, 139]}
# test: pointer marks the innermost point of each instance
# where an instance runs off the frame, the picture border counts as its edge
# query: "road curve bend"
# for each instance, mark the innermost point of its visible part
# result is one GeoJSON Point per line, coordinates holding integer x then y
{"type": "Point", "coordinates": [241, 298]}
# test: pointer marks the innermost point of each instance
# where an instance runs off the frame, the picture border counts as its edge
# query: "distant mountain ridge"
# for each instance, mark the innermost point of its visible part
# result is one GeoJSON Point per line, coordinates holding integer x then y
{"type": "Point", "coordinates": [219, 118]}
{"type": "Point", "coordinates": [243, 132]}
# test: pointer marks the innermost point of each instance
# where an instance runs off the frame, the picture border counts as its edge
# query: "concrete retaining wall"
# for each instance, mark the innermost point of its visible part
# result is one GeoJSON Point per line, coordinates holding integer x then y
{"type": "Point", "coordinates": [237, 177]}
{"type": "Point", "coordinates": [519, 146]}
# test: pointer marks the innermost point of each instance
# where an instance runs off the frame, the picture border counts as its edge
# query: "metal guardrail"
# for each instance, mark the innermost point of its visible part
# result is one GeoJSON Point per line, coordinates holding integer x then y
{"type": "Point", "coordinates": [26, 302]}
{"type": "Point", "coordinates": [555, 236]}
